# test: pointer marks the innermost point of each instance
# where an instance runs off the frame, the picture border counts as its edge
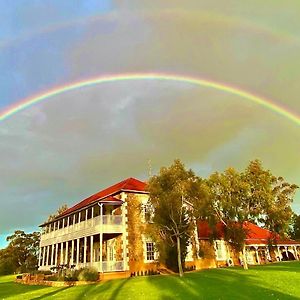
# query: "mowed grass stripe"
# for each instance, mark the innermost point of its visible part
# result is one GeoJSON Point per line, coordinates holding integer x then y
{"type": "Point", "coordinates": [275, 281]}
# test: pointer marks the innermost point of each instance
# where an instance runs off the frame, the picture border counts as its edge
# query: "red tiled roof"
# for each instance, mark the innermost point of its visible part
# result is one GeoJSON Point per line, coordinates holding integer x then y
{"type": "Point", "coordinates": [255, 234]}
{"type": "Point", "coordinates": [127, 185]}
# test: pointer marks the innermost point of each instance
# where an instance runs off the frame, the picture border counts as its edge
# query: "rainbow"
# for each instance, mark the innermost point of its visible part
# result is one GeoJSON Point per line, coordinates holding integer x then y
{"type": "Point", "coordinates": [264, 102]}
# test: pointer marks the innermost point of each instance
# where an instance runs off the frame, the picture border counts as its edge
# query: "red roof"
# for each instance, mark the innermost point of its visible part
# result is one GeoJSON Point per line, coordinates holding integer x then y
{"type": "Point", "coordinates": [127, 185]}
{"type": "Point", "coordinates": [254, 234]}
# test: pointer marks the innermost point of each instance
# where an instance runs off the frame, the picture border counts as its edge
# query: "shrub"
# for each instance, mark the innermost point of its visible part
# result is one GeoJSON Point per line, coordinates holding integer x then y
{"type": "Point", "coordinates": [88, 274]}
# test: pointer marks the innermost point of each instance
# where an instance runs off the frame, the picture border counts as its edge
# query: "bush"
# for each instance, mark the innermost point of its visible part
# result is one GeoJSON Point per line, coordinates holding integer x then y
{"type": "Point", "coordinates": [88, 274]}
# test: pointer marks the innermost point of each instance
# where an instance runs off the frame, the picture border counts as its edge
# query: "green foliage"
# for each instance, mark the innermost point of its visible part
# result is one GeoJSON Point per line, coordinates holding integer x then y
{"type": "Point", "coordinates": [59, 211]}
{"type": "Point", "coordinates": [88, 274]}
{"type": "Point", "coordinates": [21, 254]}
{"type": "Point", "coordinates": [253, 195]}
{"type": "Point", "coordinates": [172, 192]}
{"type": "Point", "coordinates": [295, 227]}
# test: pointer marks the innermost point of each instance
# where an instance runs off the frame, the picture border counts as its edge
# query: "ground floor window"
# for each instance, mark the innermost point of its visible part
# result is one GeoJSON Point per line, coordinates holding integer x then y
{"type": "Point", "coordinates": [149, 250]}
{"type": "Point", "coordinates": [220, 250]}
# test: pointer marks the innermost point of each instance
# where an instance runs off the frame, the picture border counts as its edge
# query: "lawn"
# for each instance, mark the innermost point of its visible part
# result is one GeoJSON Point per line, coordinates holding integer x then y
{"type": "Point", "coordinates": [276, 281]}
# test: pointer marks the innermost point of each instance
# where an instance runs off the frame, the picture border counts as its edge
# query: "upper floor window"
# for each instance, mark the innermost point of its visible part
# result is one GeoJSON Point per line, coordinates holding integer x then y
{"type": "Point", "coordinates": [147, 212]}
{"type": "Point", "coordinates": [150, 251]}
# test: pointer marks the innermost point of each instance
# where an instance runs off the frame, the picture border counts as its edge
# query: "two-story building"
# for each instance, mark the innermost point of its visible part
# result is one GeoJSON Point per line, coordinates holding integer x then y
{"type": "Point", "coordinates": [94, 232]}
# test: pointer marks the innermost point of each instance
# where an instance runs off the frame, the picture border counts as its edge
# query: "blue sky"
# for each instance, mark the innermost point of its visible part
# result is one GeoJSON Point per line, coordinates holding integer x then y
{"type": "Point", "coordinates": [74, 144]}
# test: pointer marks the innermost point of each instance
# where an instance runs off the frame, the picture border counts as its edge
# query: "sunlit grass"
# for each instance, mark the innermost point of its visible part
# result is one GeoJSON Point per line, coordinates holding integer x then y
{"type": "Point", "coordinates": [276, 281]}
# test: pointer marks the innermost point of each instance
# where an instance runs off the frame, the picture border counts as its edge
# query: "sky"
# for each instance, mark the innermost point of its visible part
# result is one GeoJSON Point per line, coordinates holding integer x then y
{"type": "Point", "coordinates": [76, 143]}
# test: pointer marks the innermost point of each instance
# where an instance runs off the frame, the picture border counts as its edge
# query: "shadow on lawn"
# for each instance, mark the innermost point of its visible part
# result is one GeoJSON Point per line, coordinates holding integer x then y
{"type": "Point", "coordinates": [8, 289]}
{"type": "Point", "coordinates": [51, 293]}
{"type": "Point", "coordinates": [215, 284]}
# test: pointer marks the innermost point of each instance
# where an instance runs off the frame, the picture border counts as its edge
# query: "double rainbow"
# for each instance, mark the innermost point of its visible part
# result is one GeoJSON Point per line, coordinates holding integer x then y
{"type": "Point", "coordinates": [30, 101]}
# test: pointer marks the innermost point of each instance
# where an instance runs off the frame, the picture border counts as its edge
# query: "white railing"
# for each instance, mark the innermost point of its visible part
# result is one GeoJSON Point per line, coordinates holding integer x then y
{"type": "Point", "coordinates": [105, 224]}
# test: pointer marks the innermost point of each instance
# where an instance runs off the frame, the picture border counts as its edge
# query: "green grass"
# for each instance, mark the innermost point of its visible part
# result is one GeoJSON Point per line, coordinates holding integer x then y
{"type": "Point", "coordinates": [276, 281]}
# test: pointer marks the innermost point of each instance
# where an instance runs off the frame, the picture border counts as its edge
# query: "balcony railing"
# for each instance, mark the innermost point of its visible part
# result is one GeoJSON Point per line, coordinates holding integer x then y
{"type": "Point", "coordinates": [104, 224]}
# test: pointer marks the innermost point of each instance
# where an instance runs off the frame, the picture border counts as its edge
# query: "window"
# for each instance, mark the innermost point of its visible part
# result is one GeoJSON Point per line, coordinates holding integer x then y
{"type": "Point", "coordinates": [220, 250]}
{"type": "Point", "coordinates": [147, 213]}
{"type": "Point", "coordinates": [150, 250]}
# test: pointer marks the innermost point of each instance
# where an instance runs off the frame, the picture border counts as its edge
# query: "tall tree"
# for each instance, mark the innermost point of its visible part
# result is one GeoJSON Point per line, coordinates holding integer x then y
{"type": "Point", "coordinates": [170, 193]}
{"type": "Point", "coordinates": [21, 254]}
{"type": "Point", "coordinates": [295, 227]}
{"type": "Point", "coordinates": [270, 198]}
{"type": "Point", "coordinates": [229, 194]}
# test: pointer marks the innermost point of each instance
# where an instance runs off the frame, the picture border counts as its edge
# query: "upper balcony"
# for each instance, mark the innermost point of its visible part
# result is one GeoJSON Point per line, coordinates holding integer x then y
{"type": "Point", "coordinates": [102, 223]}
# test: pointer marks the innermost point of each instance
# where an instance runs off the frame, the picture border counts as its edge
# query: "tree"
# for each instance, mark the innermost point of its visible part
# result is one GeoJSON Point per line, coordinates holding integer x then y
{"type": "Point", "coordinates": [21, 254]}
{"type": "Point", "coordinates": [171, 193]}
{"type": "Point", "coordinates": [253, 195]}
{"type": "Point", "coordinates": [229, 194]}
{"type": "Point", "coordinates": [295, 227]}
{"type": "Point", "coordinates": [59, 211]}
{"type": "Point", "coordinates": [270, 198]}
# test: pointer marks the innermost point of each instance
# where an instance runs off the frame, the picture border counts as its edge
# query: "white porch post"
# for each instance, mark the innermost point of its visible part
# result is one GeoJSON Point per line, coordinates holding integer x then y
{"type": "Point", "coordinates": [84, 253]}
{"type": "Point", "coordinates": [61, 261]}
{"type": "Point", "coordinates": [79, 217]}
{"type": "Point", "coordinates": [56, 253]}
{"type": "Point", "coordinates": [68, 221]}
{"type": "Point", "coordinates": [63, 224]}
{"type": "Point", "coordinates": [48, 249]}
{"type": "Point", "coordinates": [286, 251]}
{"type": "Point", "coordinates": [44, 254]}
{"type": "Point", "coordinates": [92, 216]}
{"type": "Point", "coordinates": [86, 214]}
{"type": "Point", "coordinates": [52, 254]}
{"type": "Point", "coordinates": [67, 252]}
{"type": "Point", "coordinates": [101, 236]}
{"type": "Point", "coordinates": [296, 254]}
{"type": "Point", "coordinates": [74, 219]}
{"type": "Point", "coordinates": [77, 253]}
{"type": "Point", "coordinates": [40, 255]}
{"type": "Point", "coordinates": [92, 248]}
{"type": "Point", "coordinates": [72, 253]}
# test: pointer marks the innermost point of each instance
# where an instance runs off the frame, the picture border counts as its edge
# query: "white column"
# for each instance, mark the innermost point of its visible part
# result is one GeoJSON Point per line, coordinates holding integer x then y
{"type": "Point", "coordinates": [77, 253]}
{"type": "Point", "coordinates": [61, 253]}
{"type": "Point", "coordinates": [93, 216]}
{"type": "Point", "coordinates": [84, 250]}
{"type": "Point", "coordinates": [58, 224]}
{"type": "Point", "coordinates": [101, 236]}
{"type": "Point", "coordinates": [72, 253]}
{"type": "Point", "coordinates": [48, 250]}
{"type": "Point", "coordinates": [286, 251]}
{"type": "Point", "coordinates": [44, 254]}
{"type": "Point", "coordinates": [56, 254]}
{"type": "Point", "coordinates": [92, 248]}
{"type": "Point", "coordinates": [74, 218]}
{"type": "Point", "coordinates": [296, 253]}
{"type": "Point", "coordinates": [79, 216]}
{"type": "Point", "coordinates": [63, 225]}
{"type": "Point", "coordinates": [101, 250]}
{"type": "Point", "coordinates": [40, 255]}
{"type": "Point", "coordinates": [67, 252]}
{"type": "Point", "coordinates": [86, 214]}
{"type": "Point", "coordinates": [68, 221]}
{"type": "Point", "coordinates": [52, 254]}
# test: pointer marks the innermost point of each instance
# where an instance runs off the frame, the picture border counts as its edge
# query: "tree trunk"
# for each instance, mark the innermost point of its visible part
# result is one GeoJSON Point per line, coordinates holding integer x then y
{"type": "Point", "coordinates": [179, 256]}
{"type": "Point", "coordinates": [245, 264]}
